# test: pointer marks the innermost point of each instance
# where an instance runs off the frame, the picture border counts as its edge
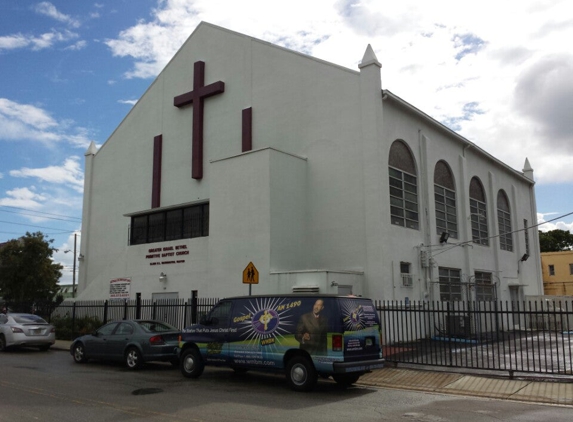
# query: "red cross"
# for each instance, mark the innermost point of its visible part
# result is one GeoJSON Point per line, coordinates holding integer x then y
{"type": "Point", "coordinates": [197, 96]}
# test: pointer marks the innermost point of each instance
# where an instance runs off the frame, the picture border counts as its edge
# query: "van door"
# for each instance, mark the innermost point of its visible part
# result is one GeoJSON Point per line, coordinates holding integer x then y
{"type": "Point", "coordinates": [217, 325]}
{"type": "Point", "coordinates": [361, 329]}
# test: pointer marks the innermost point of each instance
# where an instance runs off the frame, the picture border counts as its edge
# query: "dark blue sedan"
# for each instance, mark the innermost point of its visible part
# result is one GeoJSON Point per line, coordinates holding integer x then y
{"type": "Point", "coordinates": [131, 341]}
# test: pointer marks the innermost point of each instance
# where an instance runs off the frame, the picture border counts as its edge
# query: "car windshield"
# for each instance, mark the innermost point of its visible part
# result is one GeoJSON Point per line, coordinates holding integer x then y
{"type": "Point", "coordinates": [28, 319]}
{"type": "Point", "coordinates": [155, 327]}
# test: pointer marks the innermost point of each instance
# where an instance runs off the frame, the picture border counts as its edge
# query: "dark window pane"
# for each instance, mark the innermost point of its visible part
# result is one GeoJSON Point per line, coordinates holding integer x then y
{"type": "Point", "coordinates": [138, 230]}
{"type": "Point", "coordinates": [157, 227]}
{"type": "Point", "coordinates": [174, 225]}
{"type": "Point", "coordinates": [401, 157]}
{"type": "Point", "coordinates": [182, 223]}
{"type": "Point", "coordinates": [398, 193]}
{"type": "Point", "coordinates": [206, 220]}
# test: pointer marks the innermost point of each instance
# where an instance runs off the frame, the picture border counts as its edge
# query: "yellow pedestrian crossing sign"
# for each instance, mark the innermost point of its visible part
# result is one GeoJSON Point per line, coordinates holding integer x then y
{"type": "Point", "coordinates": [250, 274]}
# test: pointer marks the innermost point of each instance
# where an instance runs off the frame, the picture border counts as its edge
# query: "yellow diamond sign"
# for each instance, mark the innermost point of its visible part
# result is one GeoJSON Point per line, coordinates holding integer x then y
{"type": "Point", "coordinates": [250, 274]}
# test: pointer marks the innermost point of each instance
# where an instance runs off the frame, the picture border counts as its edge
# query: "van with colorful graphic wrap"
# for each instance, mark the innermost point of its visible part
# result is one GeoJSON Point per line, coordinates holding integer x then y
{"type": "Point", "coordinates": [302, 335]}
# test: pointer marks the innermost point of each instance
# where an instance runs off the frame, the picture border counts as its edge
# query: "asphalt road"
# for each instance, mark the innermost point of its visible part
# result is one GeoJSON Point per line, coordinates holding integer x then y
{"type": "Point", "coordinates": [49, 386]}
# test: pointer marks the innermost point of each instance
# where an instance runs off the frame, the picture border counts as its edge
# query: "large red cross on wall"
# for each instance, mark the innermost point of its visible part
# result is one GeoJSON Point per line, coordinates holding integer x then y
{"type": "Point", "coordinates": [197, 96]}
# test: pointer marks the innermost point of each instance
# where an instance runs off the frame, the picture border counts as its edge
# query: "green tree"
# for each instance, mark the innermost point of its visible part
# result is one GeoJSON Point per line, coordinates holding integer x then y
{"type": "Point", "coordinates": [27, 272]}
{"type": "Point", "coordinates": [555, 240]}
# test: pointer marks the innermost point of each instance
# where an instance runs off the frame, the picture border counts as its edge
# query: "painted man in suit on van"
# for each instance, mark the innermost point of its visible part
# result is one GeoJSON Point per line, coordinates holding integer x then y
{"type": "Point", "coordinates": [312, 329]}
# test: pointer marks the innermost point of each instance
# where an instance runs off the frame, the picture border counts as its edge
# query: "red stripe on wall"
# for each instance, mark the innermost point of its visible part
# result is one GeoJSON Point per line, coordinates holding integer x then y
{"type": "Point", "coordinates": [156, 187]}
{"type": "Point", "coordinates": [247, 129]}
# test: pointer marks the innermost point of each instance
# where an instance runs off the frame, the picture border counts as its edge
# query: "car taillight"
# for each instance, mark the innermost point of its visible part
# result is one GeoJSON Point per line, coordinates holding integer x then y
{"type": "Point", "coordinates": [16, 330]}
{"type": "Point", "coordinates": [53, 330]}
{"type": "Point", "coordinates": [155, 340]}
{"type": "Point", "coordinates": [337, 343]}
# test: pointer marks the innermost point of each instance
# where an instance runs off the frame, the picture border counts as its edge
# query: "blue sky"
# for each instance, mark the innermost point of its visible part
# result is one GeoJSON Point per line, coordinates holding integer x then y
{"type": "Point", "coordinates": [499, 73]}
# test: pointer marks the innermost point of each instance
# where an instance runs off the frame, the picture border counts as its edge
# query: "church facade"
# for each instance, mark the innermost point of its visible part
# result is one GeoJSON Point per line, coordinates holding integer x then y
{"type": "Point", "coordinates": [248, 167]}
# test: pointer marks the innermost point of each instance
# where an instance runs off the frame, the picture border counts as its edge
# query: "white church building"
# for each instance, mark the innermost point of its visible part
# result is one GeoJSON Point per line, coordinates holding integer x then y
{"type": "Point", "coordinates": [245, 162]}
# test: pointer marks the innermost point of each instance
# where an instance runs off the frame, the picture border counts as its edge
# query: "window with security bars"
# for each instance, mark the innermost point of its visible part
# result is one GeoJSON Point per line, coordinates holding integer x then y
{"type": "Point", "coordinates": [450, 284]}
{"type": "Point", "coordinates": [484, 287]}
{"type": "Point", "coordinates": [403, 199]}
{"type": "Point", "coordinates": [403, 187]}
{"type": "Point", "coordinates": [180, 223]}
{"type": "Point", "coordinates": [551, 269]}
{"type": "Point", "coordinates": [405, 274]}
{"type": "Point", "coordinates": [445, 200]}
{"type": "Point", "coordinates": [571, 269]}
{"type": "Point", "coordinates": [504, 222]}
{"type": "Point", "coordinates": [478, 213]}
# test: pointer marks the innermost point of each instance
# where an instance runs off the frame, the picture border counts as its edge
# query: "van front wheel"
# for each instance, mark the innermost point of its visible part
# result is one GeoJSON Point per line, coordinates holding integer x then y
{"type": "Point", "coordinates": [301, 374]}
{"type": "Point", "coordinates": [191, 363]}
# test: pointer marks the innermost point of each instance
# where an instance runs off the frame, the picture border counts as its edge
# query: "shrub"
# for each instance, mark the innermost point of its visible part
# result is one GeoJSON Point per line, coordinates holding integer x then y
{"type": "Point", "coordinates": [83, 325]}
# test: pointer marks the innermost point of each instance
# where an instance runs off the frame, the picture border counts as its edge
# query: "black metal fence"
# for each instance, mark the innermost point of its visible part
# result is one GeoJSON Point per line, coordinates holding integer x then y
{"type": "Point", "coordinates": [529, 337]}
{"type": "Point", "coordinates": [177, 312]}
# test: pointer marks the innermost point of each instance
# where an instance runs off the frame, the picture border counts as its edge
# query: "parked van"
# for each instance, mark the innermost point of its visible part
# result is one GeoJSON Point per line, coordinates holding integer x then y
{"type": "Point", "coordinates": [303, 335]}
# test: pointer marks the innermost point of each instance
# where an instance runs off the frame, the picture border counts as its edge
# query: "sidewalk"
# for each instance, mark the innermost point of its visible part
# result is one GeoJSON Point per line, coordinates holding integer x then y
{"type": "Point", "coordinates": [436, 381]}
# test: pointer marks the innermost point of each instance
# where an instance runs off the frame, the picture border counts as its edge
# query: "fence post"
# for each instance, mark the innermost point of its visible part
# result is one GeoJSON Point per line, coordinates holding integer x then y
{"type": "Point", "coordinates": [105, 312]}
{"type": "Point", "coordinates": [194, 307]}
{"type": "Point", "coordinates": [73, 320]}
{"type": "Point", "coordinates": [138, 306]}
{"type": "Point", "coordinates": [125, 309]}
{"type": "Point", "coordinates": [184, 314]}
{"type": "Point", "coordinates": [449, 330]}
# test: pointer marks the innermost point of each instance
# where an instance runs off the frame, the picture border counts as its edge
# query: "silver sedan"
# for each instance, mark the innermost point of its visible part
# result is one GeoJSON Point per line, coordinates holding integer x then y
{"type": "Point", "coordinates": [25, 330]}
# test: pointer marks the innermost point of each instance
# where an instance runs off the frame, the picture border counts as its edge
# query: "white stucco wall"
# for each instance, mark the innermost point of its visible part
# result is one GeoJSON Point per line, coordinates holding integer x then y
{"type": "Point", "coordinates": [309, 201]}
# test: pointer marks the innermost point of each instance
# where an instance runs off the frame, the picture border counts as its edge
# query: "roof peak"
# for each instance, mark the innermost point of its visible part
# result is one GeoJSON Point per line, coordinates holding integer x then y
{"type": "Point", "coordinates": [369, 58]}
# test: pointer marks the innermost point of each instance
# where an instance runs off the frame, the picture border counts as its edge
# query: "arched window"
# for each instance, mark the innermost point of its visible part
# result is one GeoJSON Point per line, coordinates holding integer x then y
{"type": "Point", "coordinates": [504, 222]}
{"type": "Point", "coordinates": [403, 186]}
{"type": "Point", "coordinates": [445, 200]}
{"type": "Point", "coordinates": [478, 213]}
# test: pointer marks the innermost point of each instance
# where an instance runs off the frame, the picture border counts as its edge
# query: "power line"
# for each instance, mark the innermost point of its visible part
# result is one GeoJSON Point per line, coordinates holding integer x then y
{"type": "Point", "coordinates": [69, 219]}
{"type": "Point", "coordinates": [40, 212]}
{"type": "Point", "coordinates": [501, 234]}
{"type": "Point", "coordinates": [37, 227]}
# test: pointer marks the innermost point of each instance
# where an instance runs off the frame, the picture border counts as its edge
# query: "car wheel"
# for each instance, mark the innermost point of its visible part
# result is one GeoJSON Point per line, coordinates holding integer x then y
{"type": "Point", "coordinates": [2, 343]}
{"type": "Point", "coordinates": [191, 364]}
{"type": "Point", "coordinates": [44, 348]}
{"type": "Point", "coordinates": [133, 358]}
{"type": "Point", "coordinates": [345, 380]}
{"type": "Point", "coordinates": [301, 374]}
{"type": "Point", "coordinates": [80, 353]}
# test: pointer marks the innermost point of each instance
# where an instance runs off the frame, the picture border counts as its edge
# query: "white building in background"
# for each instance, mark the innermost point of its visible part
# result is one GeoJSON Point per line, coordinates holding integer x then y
{"type": "Point", "coordinates": [246, 152]}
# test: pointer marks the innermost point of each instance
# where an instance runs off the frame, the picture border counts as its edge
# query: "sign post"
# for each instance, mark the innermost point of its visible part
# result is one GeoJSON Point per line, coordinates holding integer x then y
{"type": "Point", "coordinates": [250, 276]}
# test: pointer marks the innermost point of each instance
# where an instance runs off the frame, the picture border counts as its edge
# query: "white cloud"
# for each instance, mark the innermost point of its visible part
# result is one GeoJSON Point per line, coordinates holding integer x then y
{"type": "Point", "coordinates": [545, 225]}
{"type": "Point", "coordinates": [48, 9]}
{"type": "Point", "coordinates": [23, 198]}
{"type": "Point", "coordinates": [35, 43]}
{"type": "Point", "coordinates": [130, 102]}
{"type": "Point", "coordinates": [28, 122]}
{"type": "Point", "coordinates": [69, 173]}
{"type": "Point", "coordinates": [80, 45]}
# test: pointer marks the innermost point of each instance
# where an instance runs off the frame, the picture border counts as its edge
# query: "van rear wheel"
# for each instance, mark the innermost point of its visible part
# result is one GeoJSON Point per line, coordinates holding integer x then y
{"type": "Point", "coordinates": [301, 374]}
{"type": "Point", "coordinates": [345, 380]}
